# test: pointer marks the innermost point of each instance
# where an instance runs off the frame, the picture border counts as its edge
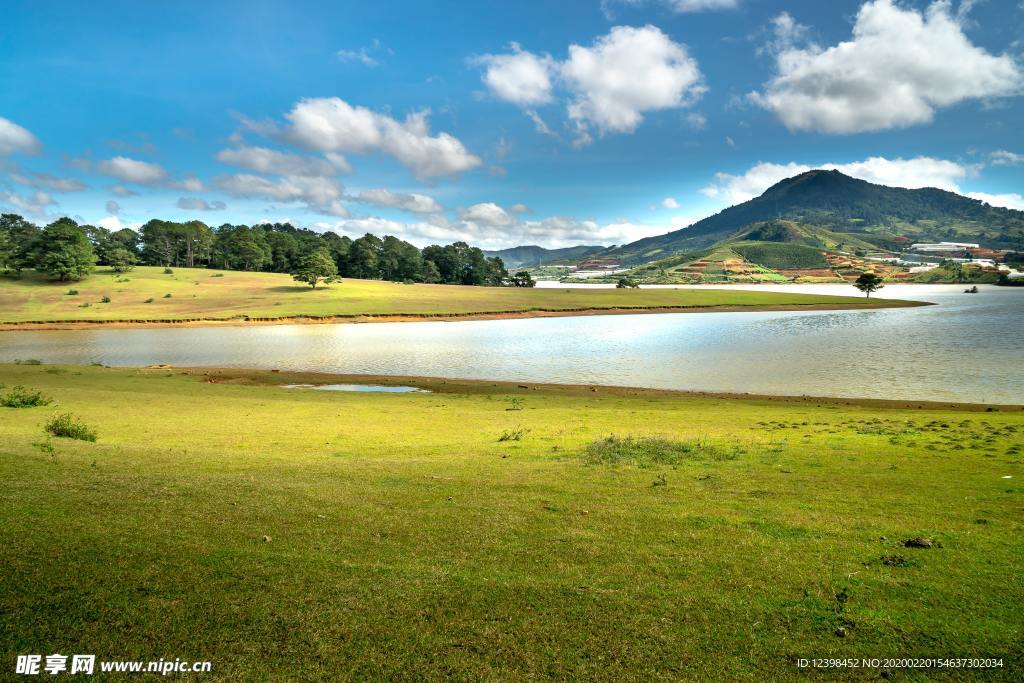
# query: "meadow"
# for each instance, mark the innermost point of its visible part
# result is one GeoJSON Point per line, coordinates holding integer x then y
{"type": "Point", "coordinates": [197, 294]}
{"type": "Point", "coordinates": [503, 531]}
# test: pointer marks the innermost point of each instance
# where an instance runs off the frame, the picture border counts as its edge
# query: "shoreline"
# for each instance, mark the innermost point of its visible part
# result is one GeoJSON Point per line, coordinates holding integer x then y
{"type": "Point", "coordinates": [244, 320]}
{"type": "Point", "coordinates": [440, 385]}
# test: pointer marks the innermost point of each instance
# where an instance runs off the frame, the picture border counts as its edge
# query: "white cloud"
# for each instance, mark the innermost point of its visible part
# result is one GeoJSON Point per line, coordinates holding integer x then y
{"type": "Point", "coordinates": [486, 213]}
{"type": "Point", "coordinates": [188, 184]}
{"type": "Point", "coordinates": [701, 5]}
{"type": "Point", "coordinates": [14, 138]}
{"type": "Point", "coordinates": [49, 182]}
{"type": "Point", "coordinates": [1010, 200]}
{"type": "Point", "coordinates": [114, 223]}
{"type": "Point", "coordinates": [670, 203]}
{"type": "Point", "coordinates": [416, 203]}
{"type": "Point", "coordinates": [329, 124]}
{"type": "Point", "coordinates": [133, 171]}
{"type": "Point", "coordinates": [899, 66]}
{"type": "Point", "coordinates": [122, 191]}
{"type": "Point", "coordinates": [626, 73]}
{"type": "Point", "coordinates": [1004, 158]}
{"type": "Point", "coordinates": [521, 78]}
{"type": "Point", "coordinates": [910, 173]}
{"type": "Point", "coordinates": [697, 121]}
{"type": "Point", "coordinates": [113, 208]}
{"type": "Point", "coordinates": [360, 55]}
{"type": "Point", "coordinates": [520, 208]}
{"type": "Point", "coordinates": [197, 204]}
{"type": "Point", "coordinates": [274, 162]}
{"type": "Point", "coordinates": [33, 204]}
{"type": "Point", "coordinates": [322, 195]}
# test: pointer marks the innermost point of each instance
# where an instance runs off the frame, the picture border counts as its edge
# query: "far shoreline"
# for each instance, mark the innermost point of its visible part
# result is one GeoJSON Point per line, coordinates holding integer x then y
{"type": "Point", "coordinates": [244, 320]}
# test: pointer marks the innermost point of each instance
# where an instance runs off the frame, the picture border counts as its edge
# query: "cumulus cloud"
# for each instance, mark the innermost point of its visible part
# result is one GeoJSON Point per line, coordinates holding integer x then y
{"type": "Point", "coordinates": [188, 184]}
{"type": "Point", "coordinates": [14, 138]}
{"type": "Point", "coordinates": [49, 182]}
{"type": "Point", "coordinates": [113, 208]}
{"type": "Point", "coordinates": [114, 223]}
{"type": "Point", "coordinates": [330, 124]}
{"type": "Point", "coordinates": [1010, 200]}
{"type": "Point", "coordinates": [520, 208]}
{"type": "Point", "coordinates": [33, 205]}
{"type": "Point", "coordinates": [670, 203]}
{"type": "Point", "coordinates": [899, 66]}
{"type": "Point", "coordinates": [610, 84]}
{"type": "Point", "coordinates": [1004, 158]}
{"type": "Point", "coordinates": [407, 201]}
{"type": "Point", "coordinates": [321, 195]}
{"type": "Point", "coordinates": [629, 72]}
{"type": "Point", "coordinates": [274, 162]}
{"type": "Point", "coordinates": [521, 78]}
{"type": "Point", "coordinates": [910, 173]}
{"type": "Point", "coordinates": [198, 204]}
{"type": "Point", "coordinates": [133, 170]}
{"type": "Point", "coordinates": [487, 213]}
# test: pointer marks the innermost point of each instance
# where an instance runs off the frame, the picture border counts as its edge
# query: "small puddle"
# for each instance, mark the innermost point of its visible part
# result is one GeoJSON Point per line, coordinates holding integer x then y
{"type": "Point", "coordinates": [358, 387]}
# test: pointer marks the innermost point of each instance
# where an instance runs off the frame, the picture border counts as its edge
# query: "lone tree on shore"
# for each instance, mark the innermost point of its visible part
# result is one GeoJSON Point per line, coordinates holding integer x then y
{"type": "Point", "coordinates": [522, 279]}
{"type": "Point", "coordinates": [315, 267]}
{"type": "Point", "coordinates": [867, 283]}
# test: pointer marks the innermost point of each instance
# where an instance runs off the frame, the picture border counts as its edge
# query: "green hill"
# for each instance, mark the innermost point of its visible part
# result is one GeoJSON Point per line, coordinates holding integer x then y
{"type": "Point", "coordinates": [532, 255]}
{"type": "Point", "coordinates": [849, 209]}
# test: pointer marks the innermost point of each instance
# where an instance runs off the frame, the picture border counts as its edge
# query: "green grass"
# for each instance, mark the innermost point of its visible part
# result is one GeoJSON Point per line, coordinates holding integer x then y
{"type": "Point", "coordinates": [196, 294]}
{"type": "Point", "coordinates": [781, 254]}
{"type": "Point", "coordinates": [307, 535]}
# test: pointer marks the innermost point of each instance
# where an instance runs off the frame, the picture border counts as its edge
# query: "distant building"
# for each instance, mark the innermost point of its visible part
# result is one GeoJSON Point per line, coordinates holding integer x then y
{"type": "Point", "coordinates": [951, 247]}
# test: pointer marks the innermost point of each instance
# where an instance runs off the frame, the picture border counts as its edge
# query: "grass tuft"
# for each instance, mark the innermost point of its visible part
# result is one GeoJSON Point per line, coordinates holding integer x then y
{"type": "Point", "coordinates": [654, 450]}
{"type": "Point", "coordinates": [20, 397]}
{"type": "Point", "coordinates": [70, 427]}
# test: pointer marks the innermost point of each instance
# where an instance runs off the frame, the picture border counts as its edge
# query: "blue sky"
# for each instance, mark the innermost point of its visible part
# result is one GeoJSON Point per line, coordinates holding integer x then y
{"type": "Point", "coordinates": [498, 123]}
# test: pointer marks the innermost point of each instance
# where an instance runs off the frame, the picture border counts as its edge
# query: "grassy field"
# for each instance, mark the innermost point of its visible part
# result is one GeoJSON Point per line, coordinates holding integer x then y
{"type": "Point", "coordinates": [491, 531]}
{"type": "Point", "coordinates": [200, 294]}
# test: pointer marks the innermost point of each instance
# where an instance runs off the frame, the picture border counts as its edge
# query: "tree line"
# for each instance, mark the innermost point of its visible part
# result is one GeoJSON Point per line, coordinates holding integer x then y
{"type": "Point", "coordinates": [66, 251]}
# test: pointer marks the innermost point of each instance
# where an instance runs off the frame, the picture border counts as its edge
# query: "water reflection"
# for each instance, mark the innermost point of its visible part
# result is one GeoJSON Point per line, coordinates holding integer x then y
{"type": "Point", "coordinates": [967, 348]}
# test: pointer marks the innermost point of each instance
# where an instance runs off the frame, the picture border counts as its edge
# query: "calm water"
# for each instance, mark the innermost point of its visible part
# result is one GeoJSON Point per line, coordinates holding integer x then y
{"type": "Point", "coordinates": [968, 348]}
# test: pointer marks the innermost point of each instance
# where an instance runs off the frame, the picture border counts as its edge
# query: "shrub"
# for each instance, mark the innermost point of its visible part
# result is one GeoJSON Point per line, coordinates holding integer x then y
{"type": "Point", "coordinates": [168, 271]}
{"type": "Point", "coordinates": [85, 305]}
{"type": "Point", "coordinates": [654, 450]}
{"type": "Point", "coordinates": [105, 300]}
{"type": "Point", "coordinates": [20, 397]}
{"type": "Point", "coordinates": [28, 361]}
{"type": "Point", "coordinates": [167, 295]}
{"type": "Point", "coordinates": [217, 275]}
{"type": "Point", "coordinates": [148, 301]}
{"type": "Point", "coordinates": [72, 292]}
{"type": "Point", "coordinates": [70, 427]}
{"type": "Point", "coordinates": [515, 434]}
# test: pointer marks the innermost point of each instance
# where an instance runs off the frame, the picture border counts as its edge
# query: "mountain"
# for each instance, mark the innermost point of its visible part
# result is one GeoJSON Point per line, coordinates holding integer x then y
{"type": "Point", "coordinates": [847, 207]}
{"type": "Point", "coordinates": [532, 255]}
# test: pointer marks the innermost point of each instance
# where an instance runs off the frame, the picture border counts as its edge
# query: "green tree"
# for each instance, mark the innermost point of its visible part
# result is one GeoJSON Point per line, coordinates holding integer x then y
{"type": "Point", "coordinates": [867, 283]}
{"type": "Point", "coordinates": [18, 239]}
{"type": "Point", "coordinates": [522, 279]}
{"type": "Point", "coordinates": [626, 283]}
{"type": "Point", "coordinates": [121, 260]}
{"type": "Point", "coordinates": [64, 251]}
{"type": "Point", "coordinates": [316, 267]}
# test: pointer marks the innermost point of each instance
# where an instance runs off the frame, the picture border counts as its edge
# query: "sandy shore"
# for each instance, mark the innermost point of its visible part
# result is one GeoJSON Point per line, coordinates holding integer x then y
{"type": "Point", "coordinates": [446, 385]}
{"type": "Point", "coordinates": [438, 317]}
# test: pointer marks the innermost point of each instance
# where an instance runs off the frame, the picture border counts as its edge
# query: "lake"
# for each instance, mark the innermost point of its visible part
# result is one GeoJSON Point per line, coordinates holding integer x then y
{"type": "Point", "coordinates": [967, 348]}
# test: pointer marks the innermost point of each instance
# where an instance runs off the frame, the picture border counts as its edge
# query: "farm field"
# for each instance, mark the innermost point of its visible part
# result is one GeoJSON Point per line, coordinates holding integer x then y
{"type": "Point", "coordinates": [502, 531]}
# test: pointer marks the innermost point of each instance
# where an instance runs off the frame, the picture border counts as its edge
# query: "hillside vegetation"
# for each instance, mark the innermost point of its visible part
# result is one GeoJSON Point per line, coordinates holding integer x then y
{"type": "Point", "coordinates": [873, 214]}
{"type": "Point", "coordinates": [289, 534]}
{"type": "Point", "coordinates": [200, 294]}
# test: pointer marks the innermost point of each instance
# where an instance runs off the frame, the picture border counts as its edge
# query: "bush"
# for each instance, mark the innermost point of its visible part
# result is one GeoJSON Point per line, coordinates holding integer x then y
{"type": "Point", "coordinates": [217, 275]}
{"type": "Point", "coordinates": [168, 271]}
{"type": "Point", "coordinates": [20, 397]}
{"type": "Point", "coordinates": [515, 434]}
{"type": "Point", "coordinates": [70, 427]}
{"type": "Point", "coordinates": [105, 300]}
{"type": "Point", "coordinates": [148, 301]}
{"type": "Point", "coordinates": [28, 361]}
{"type": "Point", "coordinates": [654, 450]}
{"type": "Point", "coordinates": [85, 305]}
{"type": "Point", "coordinates": [72, 292]}
{"type": "Point", "coordinates": [167, 295]}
